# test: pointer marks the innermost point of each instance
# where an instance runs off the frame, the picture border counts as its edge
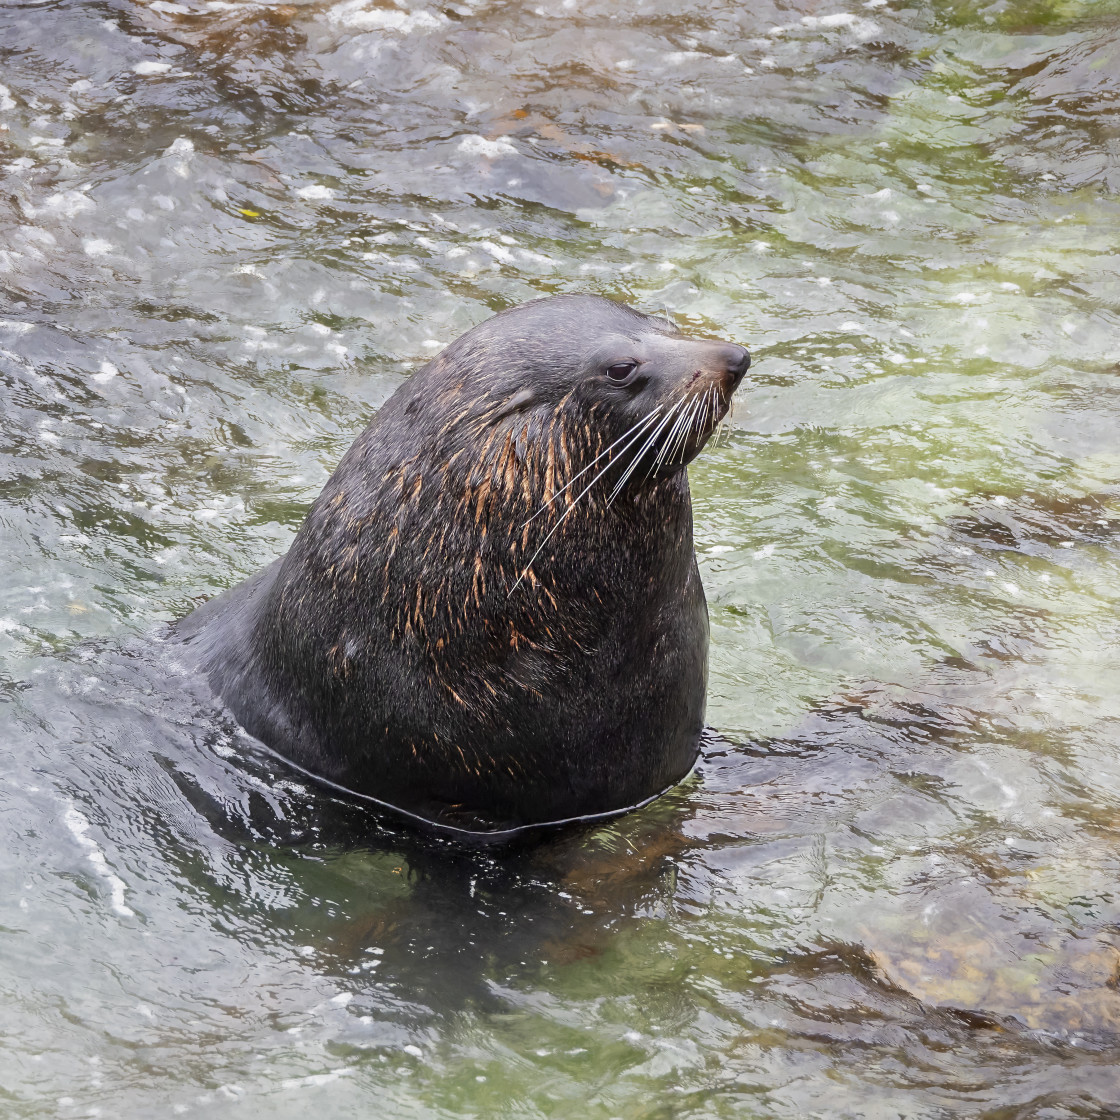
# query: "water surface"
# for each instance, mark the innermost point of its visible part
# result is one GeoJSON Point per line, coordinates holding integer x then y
{"type": "Point", "coordinates": [229, 230]}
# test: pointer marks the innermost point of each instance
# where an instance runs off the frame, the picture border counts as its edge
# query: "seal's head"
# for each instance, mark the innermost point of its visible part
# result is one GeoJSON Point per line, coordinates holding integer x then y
{"type": "Point", "coordinates": [648, 396]}
{"type": "Point", "coordinates": [492, 616]}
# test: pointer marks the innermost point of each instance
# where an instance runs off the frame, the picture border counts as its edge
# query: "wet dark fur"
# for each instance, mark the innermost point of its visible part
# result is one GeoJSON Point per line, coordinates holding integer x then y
{"type": "Point", "coordinates": [386, 650]}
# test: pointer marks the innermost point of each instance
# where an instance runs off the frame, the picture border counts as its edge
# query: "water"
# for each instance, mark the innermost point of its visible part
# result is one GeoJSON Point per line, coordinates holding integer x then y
{"type": "Point", "coordinates": [229, 230]}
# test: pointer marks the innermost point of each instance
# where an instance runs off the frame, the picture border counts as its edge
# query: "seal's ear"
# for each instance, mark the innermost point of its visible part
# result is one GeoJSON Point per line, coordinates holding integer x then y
{"type": "Point", "coordinates": [520, 401]}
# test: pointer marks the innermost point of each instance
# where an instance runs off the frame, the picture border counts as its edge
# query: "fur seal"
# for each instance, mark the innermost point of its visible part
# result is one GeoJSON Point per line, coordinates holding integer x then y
{"type": "Point", "coordinates": [492, 617]}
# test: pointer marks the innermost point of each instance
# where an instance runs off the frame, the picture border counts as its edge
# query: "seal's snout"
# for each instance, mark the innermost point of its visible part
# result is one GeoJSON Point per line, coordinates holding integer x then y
{"type": "Point", "coordinates": [724, 363]}
{"type": "Point", "coordinates": [738, 360]}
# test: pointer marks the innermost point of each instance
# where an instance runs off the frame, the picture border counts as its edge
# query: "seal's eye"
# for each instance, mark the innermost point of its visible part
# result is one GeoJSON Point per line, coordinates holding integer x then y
{"type": "Point", "coordinates": [620, 371]}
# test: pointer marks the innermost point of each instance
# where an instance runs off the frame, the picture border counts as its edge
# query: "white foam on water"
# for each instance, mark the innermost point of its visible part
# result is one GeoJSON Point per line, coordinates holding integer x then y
{"type": "Point", "coordinates": [475, 145]}
{"type": "Point", "coordinates": [79, 826]}
{"type": "Point", "coordinates": [314, 1079]}
{"type": "Point", "coordinates": [315, 191]}
{"type": "Point", "coordinates": [356, 14]}
{"type": "Point", "coordinates": [65, 204]}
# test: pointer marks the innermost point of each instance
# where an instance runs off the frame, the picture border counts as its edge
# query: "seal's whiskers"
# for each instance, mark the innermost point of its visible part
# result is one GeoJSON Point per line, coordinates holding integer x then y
{"type": "Point", "coordinates": [723, 428]}
{"type": "Point", "coordinates": [643, 423]}
{"type": "Point", "coordinates": [641, 453]}
{"type": "Point", "coordinates": [682, 434]}
{"type": "Point", "coordinates": [703, 422]}
{"type": "Point", "coordinates": [560, 521]}
{"type": "Point", "coordinates": [706, 412]}
{"type": "Point", "coordinates": [666, 451]}
{"type": "Point", "coordinates": [676, 438]}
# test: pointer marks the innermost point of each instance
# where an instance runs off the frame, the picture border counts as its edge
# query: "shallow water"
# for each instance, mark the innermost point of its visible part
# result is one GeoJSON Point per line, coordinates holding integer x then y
{"type": "Point", "coordinates": [229, 230]}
